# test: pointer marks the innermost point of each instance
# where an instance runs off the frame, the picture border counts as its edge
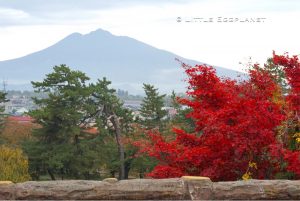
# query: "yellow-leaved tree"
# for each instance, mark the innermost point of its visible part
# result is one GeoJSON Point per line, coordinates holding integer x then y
{"type": "Point", "coordinates": [13, 165]}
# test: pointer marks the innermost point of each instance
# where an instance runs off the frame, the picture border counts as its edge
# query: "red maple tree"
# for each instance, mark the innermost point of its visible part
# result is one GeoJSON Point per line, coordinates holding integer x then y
{"type": "Point", "coordinates": [236, 125]}
{"type": "Point", "coordinates": [291, 68]}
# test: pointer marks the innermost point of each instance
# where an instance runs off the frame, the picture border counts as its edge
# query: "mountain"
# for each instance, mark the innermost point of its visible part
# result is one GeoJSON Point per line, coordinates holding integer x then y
{"type": "Point", "coordinates": [125, 61]}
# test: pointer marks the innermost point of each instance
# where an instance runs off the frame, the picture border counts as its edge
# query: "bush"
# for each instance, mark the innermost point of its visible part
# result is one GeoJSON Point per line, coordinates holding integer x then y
{"type": "Point", "coordinates": [13, 165]}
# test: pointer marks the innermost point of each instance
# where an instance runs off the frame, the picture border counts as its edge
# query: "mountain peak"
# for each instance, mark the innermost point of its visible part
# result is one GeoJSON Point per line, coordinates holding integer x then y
{"type": "Point", "coordinates": [99, 32]}
{"type": "Point", "coordinates": [123, 60]}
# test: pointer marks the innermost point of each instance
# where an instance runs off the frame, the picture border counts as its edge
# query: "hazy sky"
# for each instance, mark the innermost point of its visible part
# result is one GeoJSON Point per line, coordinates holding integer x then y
{"type": "Point", "coordinates": [30, 25]}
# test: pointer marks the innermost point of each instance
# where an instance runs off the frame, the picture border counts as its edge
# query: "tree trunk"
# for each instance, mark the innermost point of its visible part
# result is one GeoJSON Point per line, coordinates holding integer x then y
{"type": "Point", "coordinates": [141, 174]}
{"type": "Point", "coordinates": [127, 168]}
{"type": "Point", "coordinates": [112, 173]}
{"type": "Point", "coordinates": [51, 174]}
{"type": "Point", "coordinates": [118, 134]}
{"type": "Point", "coordinates": [62, 173]}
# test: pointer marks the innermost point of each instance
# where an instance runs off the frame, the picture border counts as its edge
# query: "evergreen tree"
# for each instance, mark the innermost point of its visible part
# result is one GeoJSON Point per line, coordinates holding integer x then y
{"type": "Point", "coordinates": [174, 101]}
{"type": "Point", "coordinates": [113, 119]}
{"type": "Point", "coordinates": [277, 73]}
{"type": "Point", "coordinates": [2, 100]}
{"type": "Point", "coordinates": [152, 108]}
{"type": "Point", "coordinates": [60, 145]}
{"type": "Point", "coordinates": [181, 119]}
{"type": "Point", "coordinates": [2, 115]}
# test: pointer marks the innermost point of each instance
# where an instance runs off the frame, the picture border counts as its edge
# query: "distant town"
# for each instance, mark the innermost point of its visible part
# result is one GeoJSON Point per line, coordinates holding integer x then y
{"type": "Point", "coordinates": [20, 102]}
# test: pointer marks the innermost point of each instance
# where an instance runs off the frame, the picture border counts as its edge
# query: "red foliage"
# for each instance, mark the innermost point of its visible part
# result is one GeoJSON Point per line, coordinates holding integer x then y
{"type": "Point", "coordinates": [161, 171]}
{"type": "Point", "coordinates": [235, 124]}
{"type": "Point", "coordinates": [292, 71]}
{"type": "Point", "coordinates": [291, 67]}
{"type": "Point", "coordinates": [293, 159]}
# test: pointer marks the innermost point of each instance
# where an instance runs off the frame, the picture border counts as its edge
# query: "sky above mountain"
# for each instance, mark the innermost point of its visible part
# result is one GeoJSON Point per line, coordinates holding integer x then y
{"type": "Point", "coordinates": [235, 30]}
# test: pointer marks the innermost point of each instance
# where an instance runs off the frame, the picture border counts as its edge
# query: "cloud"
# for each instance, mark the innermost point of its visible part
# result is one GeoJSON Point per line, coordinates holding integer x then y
{"type": "Point", "coordinates": [9, 16]}
{"type": "Point", "coordinates": [37, 12]}
{"type": "Point", "coordinates": [38, 6]}
{"type": "Point", "coordinates": [13, 13]}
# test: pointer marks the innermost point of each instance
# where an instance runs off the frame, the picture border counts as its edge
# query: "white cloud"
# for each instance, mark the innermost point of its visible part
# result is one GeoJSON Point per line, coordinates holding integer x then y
{"type": "Point", "coordinates": [8, 13]}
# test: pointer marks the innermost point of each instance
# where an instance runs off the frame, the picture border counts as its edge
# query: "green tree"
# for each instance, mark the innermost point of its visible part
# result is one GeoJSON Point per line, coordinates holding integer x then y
{"type": "Point", "coordinates": [140, 163]}
{"type": "Point", "coordinates": [60, 145]}
{"type": "Point", "coordinates": [277, 72]}
{"type": "Point", "coordinates": [152, 108]}
{"type": "Point", "coordinates": [174, 101]}
{"type": "Point", "coordinates": [181, 119]}
{"type": "Point", "coordinates": [113, 119]}
{"type": "Point", "coordinates": [13, 165]}
{"type": "Point", "coordinates": [2, 115]}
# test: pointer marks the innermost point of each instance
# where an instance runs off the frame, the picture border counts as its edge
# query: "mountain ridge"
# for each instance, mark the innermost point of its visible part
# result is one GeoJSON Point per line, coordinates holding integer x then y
{"type": "Point", "coordinates": [125, 61]}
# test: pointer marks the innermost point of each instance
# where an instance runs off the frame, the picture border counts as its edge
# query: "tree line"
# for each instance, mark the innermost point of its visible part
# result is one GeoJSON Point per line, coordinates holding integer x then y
{"type": "Point", "coordinates": [63, 146]}
{"type": "Point", "coordinates": [223, 128]}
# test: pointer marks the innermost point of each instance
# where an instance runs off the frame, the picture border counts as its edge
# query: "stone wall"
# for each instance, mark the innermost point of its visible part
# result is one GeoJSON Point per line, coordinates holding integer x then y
{"type": "Point", "coordinates": [185, 188]}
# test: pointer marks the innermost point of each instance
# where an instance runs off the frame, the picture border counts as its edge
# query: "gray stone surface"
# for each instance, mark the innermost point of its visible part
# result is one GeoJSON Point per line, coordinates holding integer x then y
{"type": "Point", "coordinates": [110, 180]}
{"type": "Point", "coordinates": [185, 188]}
{"type": "Point", "coordinates": [257, 190]}
{"type": "Point", "coordinates": [198, 188]}
{"type": "Point", "coordinates": [7, 191]}
{"type": "Point", "coordinates": [136, 189]}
